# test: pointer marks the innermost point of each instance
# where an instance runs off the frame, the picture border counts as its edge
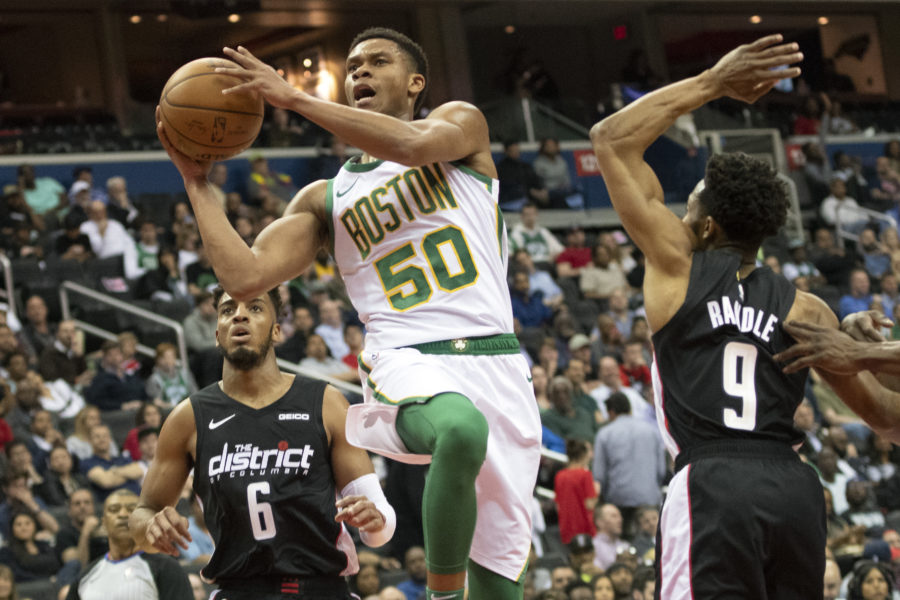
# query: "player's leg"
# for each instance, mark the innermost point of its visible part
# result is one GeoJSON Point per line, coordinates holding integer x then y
{"type": "Point", "coordinates": [484, 584]}
{"type": "Point", "coordinates": [454, 433]}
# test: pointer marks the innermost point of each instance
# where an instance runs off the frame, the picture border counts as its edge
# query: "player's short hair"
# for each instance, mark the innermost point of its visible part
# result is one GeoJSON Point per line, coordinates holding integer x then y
{"type": "Point", "coordinates": [273, 294]}
{"type": "Point", "coordinates": [745, 197]}
{"type": "Point", "coordinates": [413, 51]}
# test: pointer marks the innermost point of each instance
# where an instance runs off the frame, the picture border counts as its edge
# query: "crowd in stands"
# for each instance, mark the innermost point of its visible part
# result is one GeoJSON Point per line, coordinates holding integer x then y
{"type": "Point", "coordinates": [80, 416]}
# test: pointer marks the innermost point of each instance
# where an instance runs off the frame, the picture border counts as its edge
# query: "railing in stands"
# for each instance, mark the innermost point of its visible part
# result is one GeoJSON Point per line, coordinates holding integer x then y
{"type": "Point", "coordinates": [8, 289]}
{"type": "Point", "coordinates": [68, 287]}
{"type": "Point", "coordinates": [853, 234]}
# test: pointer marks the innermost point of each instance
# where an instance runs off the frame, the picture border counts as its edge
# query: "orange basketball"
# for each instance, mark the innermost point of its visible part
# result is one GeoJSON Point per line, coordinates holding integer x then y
{"type": "Point", "coordinates": [200, 120]}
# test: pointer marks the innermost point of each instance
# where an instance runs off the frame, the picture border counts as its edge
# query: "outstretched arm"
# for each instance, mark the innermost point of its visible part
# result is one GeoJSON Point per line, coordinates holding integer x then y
{"type": "Point", "coordinates": [621, 139]}
{"type": "Point", "coordinates": [453, 131]}
{"type": "Point", "coordinates": [243, 271]}
{"type": "Point", "coordinates": [155, 524]}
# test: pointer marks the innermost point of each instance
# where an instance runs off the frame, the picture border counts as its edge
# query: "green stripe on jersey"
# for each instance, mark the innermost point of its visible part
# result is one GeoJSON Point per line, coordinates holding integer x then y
{"type": "Point", "coordinates": [329, 212]}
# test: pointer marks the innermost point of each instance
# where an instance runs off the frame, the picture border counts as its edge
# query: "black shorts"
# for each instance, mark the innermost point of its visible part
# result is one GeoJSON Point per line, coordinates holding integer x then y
{"type": "Point", "coordinates": [275, 588]}
{"type": "Point", "coordinates": [742, 520]}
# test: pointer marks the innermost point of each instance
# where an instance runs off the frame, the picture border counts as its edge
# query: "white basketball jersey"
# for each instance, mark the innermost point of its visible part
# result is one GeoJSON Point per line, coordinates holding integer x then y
{"type": "Point", "coordinates": [422, 251]}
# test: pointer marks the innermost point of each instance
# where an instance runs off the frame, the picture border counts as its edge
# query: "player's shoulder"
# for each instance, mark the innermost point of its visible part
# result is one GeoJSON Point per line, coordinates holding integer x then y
{"type": "Point", "coordinates": [812, 309]}
{"type": "Point", "coordinates": [311, 198]}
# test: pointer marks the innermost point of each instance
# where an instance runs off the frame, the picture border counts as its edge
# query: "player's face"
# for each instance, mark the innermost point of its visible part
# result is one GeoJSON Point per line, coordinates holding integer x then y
{"type": "Point", "coordinates": [246, 331]}
{"type": "Point", "coordinates": [379, 78]}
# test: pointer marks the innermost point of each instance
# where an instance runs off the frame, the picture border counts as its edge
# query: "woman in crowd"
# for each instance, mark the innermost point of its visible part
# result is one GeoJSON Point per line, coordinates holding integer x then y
{"type": "Point", "coordinates": [367, 582]}
{"type": "Point", "coordinates": [148, 415]}
{"type": "Point", "coordinates": [603, 588]}
{"type": "Point", "coordinates": [539, 381]}
{"type": "Point", "coordinates": [60, 480]}
{"type": "Point", "coordinates": [79, 443]}
{"type": "Point", "coordinates": [870, 581]}
{"type": "Point", "coordinates": [7, 584]}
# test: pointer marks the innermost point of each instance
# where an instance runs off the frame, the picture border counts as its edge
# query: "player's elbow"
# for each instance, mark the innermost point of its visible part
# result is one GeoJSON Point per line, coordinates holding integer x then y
{"type": "Point", "coordinates": [605, 140]}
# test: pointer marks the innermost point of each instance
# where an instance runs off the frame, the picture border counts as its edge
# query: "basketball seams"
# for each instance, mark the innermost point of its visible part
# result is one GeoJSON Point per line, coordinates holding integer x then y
{"type": "Point", "coordinates": [169, 125]}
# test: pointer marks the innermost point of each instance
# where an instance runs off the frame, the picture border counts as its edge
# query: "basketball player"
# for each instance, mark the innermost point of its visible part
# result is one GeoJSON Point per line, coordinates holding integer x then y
{"type": "Point", "coordinates": [416, 233]}
{"type": "Point", "coordinates": [269, 455]}
{"type": "Point", "coordinates": [744, 517]}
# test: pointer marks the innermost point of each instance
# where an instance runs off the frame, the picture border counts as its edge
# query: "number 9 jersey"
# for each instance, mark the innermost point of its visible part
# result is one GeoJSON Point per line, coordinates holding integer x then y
{"type": "Point", "coordinates": [422, 251]}
{"type": "Point", "coordinates": [714, 377]}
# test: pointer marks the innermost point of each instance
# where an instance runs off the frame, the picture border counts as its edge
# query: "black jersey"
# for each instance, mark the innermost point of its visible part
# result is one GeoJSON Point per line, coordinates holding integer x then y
{"type": "Point", "coordinates": [715, 379]}
{"type": "Point", "coordinates": [265, 481]}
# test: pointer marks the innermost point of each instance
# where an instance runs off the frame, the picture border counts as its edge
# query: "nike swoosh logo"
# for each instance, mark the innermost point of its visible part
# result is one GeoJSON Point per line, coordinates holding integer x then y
{"type": "Point", "coordinates": [213, 424]}
{"type": "Point", "coordinates": [347, 191]}
{"type": "Point", "coordinates": [529, 378]}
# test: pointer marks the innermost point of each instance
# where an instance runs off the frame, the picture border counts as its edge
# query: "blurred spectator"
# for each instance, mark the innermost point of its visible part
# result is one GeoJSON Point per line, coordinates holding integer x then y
{"type": "Point", "coordinates": [875, 257]}
{"type": "Point", "coordinates": [541, 245]}
{"type": "Point", "coordinates": [15, 212]}
{"type": "Point", "coordinates": [832, 580]}
{"type": "Point", "coordinates": [565, 418]}
{"type": "Point", "coordinates": [43, 194]}
{"type": "Point", "coordinates": [65, 358]}
{"type": "Point", "coordinates": [885, 188]}
{"type": "Point", "coordinates": [366, 582]}
{"type": "Point", "coordinates": [637, 72]}
{"type": "Point", "coordinates": [353, 336]}
{"type": "Point", "coordinates": [561, 577]}
{"type": "Point", "coordinates": [575, 256]}
{"type": "Point", "coordinates": [553, 170]}
{"type": "Point", "coordinates": [892, 154]}
{"type": "Point", "coordinates": [282, 132]}
{"type": "Point", "coordinates": [832, 479]}
{"type": "Point", "coordinates": [634, 368]}
{"type": "Point", "coordinates": [805, 422]}
{"type": "Point", "coordinates": [326, 164]}
{"type": "Point", "coordinates": [538, 280]}
{"type": "Point", "coordinates": [80, 197]}
{"type": "Point", "coordinates": [621, 314]}
{"type": "Point", "coordinates": [831, 260]}
{"type": "Point", "coordinates": [629, 459]}
{"type": "Point", "coordinates": [106, 472]}
{"type": "Point", "coordinates": [79, 443]}
{"type": "Point", "coordinates": [19, 499]}
{"type": "Point", "coordinates": [147, 247]}
{"type": "Point", "coordinates": [81, 537]}
{"type": "Point", "coordinates": [112, 388]}
{"type": "Point", "coordinates": [201, 546]}
{"type": "Point", "coordinates": [165, 282]}
{"type": "Point", "coordinates": [644, 539]}
{"type": "Point", "coordinates": [881, 459]}
{"type": "Point", "coordinates": [576, 492]}
{"type": "Point", "coordinates": [169, 383]}
{"type": "Point", "coordinates": [263, 182]}
{"type": "Point", "coordinates": [120, 206]}
{"type": "Point", "coordinates": [85, 175]}
{"type": "Point", "coordinates": [863, 510]}
{"type": "Point", "coordinates": [539, 382]}
{"type": "Point", "coordinates": [799, 265]}
{"type": "Point", "coordinates": [608, 542]}
{"type": "Point", "coordinates": [33, 556]}
{"type": "Point", "coordinates": [601, 278]}
{"type": "Point", "coordinates": [24, 242]}
{"type": "Point", "coordinates": [319, 361]}
{"type": "Point", "coordinates": [109, 238]}
{"type": "Point", "coordinates": [860, 297]}
{"type": "Point", "coordinates": [575, 373]}
{"type": "Point", "coordinates": [842, 537]}
{"type": "Point", "coordinates": [871, 580]}
{"type": "Point", "coordinates": [580, 350]}
{"type": "Point", "coordinates": [611, 381]}
{"type": "Point", "coordinates": [414, 563]}
{"type": "Point", "coordinates": [73, 244]}
{"type": "Point", "coordinates": [128, 343]}
{"type": "Point", "coordinates": [60, 481]}
{"type": "Point", "coordinates": [331, 328]}
{"type": "Point", "coordinates": [849, 168]}
{"type": "Point", "coordinates": [528, 306]}
{"type": "Point", "coordinates": [42, 436]}
{"type": "Point", "coordinates": [200, 325]}
{"type": "Point", "coordinates": [808, 120]}
{"type": "Point", "coordinates": [293, 349]}
{"type": "Point", "coordinates": [519, 183]}
{"type": "Point", "coordinates": [840, 209]}
{"type": "Point", "coordinates": [156, 576]}
{"type": "Point", "coordinates": [38, 331]}
{"type": "Point", "coordinates": [200, 275]}
{"type": "Point", "coordinates": [816, 171]}
{"type": "Point", "coordinates": [147, 415]}
{"type": "Point", "coordinates": [603, 587]}
{"type": "Point", "coordinates": [833, 119]}
{"type": "Point", "coordinates": [606, 337]}
{"type": "Point", "coordinates": [183, 226]}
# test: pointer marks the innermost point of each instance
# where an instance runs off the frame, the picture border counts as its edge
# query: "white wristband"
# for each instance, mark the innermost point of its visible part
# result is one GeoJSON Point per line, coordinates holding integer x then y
{"type": "Point", "coordinates": [368, 486]}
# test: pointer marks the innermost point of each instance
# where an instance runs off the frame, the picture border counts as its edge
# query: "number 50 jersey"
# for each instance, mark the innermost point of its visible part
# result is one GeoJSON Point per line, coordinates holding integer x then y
{"type": "Point", "coordinates": [714, 377]}
{"type": "Point", "coordinates": [422, 251]}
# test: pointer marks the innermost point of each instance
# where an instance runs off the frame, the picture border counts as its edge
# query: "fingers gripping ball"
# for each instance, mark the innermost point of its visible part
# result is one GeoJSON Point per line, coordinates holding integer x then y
{"type": "Point", "coordinates": [203, 123]}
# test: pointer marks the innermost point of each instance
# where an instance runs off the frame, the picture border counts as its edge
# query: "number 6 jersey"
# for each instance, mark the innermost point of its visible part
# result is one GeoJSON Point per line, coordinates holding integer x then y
{"type": "Point", "coordinates": [422, 251]}
{"type": "Point", "coordinates": [265, 482]}
{"type": "Point", "coordinates": [714, 377]}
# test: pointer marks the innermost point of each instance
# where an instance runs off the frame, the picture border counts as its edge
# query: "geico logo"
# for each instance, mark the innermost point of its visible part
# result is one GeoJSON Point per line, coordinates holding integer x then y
{"type": "Point", "coordinates": [293, 417]}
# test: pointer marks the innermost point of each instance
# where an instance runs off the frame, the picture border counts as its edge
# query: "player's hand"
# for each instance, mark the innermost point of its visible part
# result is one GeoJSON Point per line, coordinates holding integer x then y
{"type": "Point", "coordinates": [360, 512]}
{"type": "Point", "coordinates": [821, 347]}
{"type": "Point", "coordinates": [746, 73]}
{"type": "Point", "coordinates": [168, 530]}
{"type": "Point", "coordinates": [187, 166]}
{"type": "Point", "coordinates": [865, 326]}
{"type": "Point", "coordinates": [258, 77]}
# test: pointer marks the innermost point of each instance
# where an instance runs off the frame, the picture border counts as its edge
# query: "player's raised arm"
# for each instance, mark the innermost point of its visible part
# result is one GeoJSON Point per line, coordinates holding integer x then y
{"type": "Point", "coordinates": [155, 524]}
{"type": "Point", "coordinates": [453, 131]}
{"type": "Point", "coordinates": [621, 139]}
{"type": "Point", "coordinates": [243, 271]}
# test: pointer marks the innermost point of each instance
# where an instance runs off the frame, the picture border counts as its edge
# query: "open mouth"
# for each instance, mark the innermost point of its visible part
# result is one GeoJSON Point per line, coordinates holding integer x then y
{"type": "Point", "coordinates": [362, 92]}
{"type": "Point", "coordinates": [240, 334]}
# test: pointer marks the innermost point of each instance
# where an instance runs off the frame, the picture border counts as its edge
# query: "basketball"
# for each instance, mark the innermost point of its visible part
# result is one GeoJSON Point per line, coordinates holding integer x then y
{"type": "Point", "coordinates": [200, 120]}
